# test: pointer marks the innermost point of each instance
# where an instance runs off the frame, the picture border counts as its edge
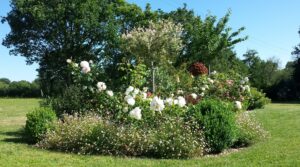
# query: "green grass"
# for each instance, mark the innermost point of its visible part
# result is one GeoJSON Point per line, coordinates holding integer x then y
{"type": "Point", "coordinates": [281, 149]}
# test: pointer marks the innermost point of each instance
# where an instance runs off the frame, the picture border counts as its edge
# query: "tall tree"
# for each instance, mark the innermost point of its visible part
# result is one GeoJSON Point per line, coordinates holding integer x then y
{"type": "Point", "coordinates": [207, 39]}
{"type": "Point", "coordinates": [49, 32]}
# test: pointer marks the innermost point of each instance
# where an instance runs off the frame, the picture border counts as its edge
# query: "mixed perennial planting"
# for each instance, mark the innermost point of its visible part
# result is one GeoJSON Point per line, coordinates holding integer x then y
{"type": "Point", "coordinates": [205, 118]}
{"type": "Point", "coordinates": [156, 110]}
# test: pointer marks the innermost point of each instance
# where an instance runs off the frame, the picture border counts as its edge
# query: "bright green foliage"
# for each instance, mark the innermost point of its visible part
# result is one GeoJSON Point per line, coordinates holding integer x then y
{"type": "Point", "coordinates": [207, 40]}
{"type": "Point", "coordinates": [217, 120]}
{"type": "Point", "coordinates": [257, 99]}
{"type": "Point", "coordinates": [261, 72]}
{"type": "Point", "coordinates": [38, 123]}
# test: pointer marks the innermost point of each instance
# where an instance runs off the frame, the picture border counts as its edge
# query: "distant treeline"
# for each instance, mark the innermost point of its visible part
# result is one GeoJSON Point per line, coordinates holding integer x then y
{"type": "Point", "coordinates": [19, 88]}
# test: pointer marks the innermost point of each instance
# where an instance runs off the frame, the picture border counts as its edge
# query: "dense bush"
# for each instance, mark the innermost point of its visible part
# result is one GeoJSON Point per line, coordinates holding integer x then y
{"type": "Point", "coordinates": [257, 99]}
{"type": "Point", "coordinates": [70, 102]}
{"type": "Point", "coordinates": [216, 118]}
{"type": "Point", "coordinates": [89, 134]}
{"type": "Point", "coordinates": [38, 123]}
{"type": "Point", "coordinates": [249, 130]}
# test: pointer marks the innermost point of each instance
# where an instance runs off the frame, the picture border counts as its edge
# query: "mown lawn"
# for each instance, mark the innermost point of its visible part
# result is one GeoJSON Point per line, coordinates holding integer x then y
{"type": "Point", "coordinates": [281, 149]}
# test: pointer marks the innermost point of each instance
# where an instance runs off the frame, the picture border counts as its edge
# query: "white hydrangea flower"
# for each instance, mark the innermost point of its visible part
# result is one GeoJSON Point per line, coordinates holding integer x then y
{"type": "Point", "coordinates": [157, 104]}
{"type": "Point", "coordinates": [246, 79]}
{"type": "Point", "coordinates": [110, 93]}
{"type": "Point", "coordinates": [130, 100]}
{"type": "Point", "coordinates": [101, 86]}
{"type": "Point", "coordinates": [69, 61]}
{"type": "Point", "coordinates": [129, 89]}
{"type": "Point", "coordinates": [214, 72]}
{"type": "Point", "coordinates": [203, 88]}
{"type": "Point", "coordinates": [194, 95]}
{"type": "Point", "coordinates": [238, 105]}
{"type": "Point", "coordinates": [169, 101]}
{"type": "Point", "coordinates": [210, 80]}
{"type": "Point", "coordinates": [136, 113]}
{"type": "Point", "coordinates": [202, 94]}
{"type": "Point", "coordinates": [181, 101]}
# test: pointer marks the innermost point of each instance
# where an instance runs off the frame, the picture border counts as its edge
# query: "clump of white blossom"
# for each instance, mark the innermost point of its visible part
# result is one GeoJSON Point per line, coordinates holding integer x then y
{"type": "Point", "coordinates": [136, 113]}
{"type": "Point", "coordinates": [85, 66]}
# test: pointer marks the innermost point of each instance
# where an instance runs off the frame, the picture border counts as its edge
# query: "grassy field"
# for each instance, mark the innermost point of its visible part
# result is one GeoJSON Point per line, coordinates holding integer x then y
{"type": "Point", "coordinates": [281, 149]}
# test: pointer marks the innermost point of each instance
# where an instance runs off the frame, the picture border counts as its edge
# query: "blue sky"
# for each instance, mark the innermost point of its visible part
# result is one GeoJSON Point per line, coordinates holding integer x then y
{"type": "Point", "coordinates": [271, 25]}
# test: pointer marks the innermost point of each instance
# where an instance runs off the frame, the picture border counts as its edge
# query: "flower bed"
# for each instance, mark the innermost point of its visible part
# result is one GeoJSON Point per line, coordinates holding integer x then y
{"type": "Point", "coordinates": [189, 122]}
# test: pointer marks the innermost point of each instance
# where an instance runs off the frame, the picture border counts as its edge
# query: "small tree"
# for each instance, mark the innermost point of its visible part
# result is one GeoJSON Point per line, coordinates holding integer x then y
{"type": "Point", "coordinates": [160, 43]}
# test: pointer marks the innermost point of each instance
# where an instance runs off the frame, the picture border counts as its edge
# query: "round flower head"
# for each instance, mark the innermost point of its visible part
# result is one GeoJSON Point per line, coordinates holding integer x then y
{"type": "Point", "coordinates": [181, 101]}
{"type": "Point", "coordinates": [130, 100]}
{"type": "Point", "coordinates": [110, 93]}
{"type": "Point", "coordinates": [136, 113]}
{"type": "Point", "coordinates": [238, 105]}
{"type": "Point", "coordinates": [194, 95]}
{"type": "Point", "coordinates": [85, 66]}
{"type": "Point", "coordinates": [246, 79]}
{"type": "Point", "coordinates": [157, 104]}
{"type": "Point", "coordinates": [86, 70]}
{"type": "Point", "coordinates": [129, 89]}
{"type": "Point", "coordinates": [69, 61]}
{"type": "Point", "coordinates": [101, 86]}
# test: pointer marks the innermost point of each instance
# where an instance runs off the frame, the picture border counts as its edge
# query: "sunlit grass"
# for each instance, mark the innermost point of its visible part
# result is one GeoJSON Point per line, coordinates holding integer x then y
{"type": "Point", "coordinates": [281, 149]}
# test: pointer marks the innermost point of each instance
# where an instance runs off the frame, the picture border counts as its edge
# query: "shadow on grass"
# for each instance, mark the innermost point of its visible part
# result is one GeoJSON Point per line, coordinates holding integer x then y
{"type": "Point", "coordinates": [18, 136]}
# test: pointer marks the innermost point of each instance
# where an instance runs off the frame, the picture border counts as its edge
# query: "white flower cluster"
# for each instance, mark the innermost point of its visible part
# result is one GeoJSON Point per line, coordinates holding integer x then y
{"type": "Point", "coordinates": [101, 86]}
{"type": "Point", "coordinates": [157, 104]}
{"type": "Point", "coordinates": [244, 85]}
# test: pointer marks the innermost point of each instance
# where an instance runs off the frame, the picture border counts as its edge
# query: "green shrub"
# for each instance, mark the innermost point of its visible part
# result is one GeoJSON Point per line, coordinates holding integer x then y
{"type": "Point", "coordinates": [257, 99]}
{"type": "Point", "coordinates": [72, 101]}
{"type": "Point", "coordinates": [38, 122]}
{"type": "Point", "coordinates": [249, 130]}
{"type": "Point", "coordinates": [216, 118]}
{"type": "Point", "coordinates": [91, 135]}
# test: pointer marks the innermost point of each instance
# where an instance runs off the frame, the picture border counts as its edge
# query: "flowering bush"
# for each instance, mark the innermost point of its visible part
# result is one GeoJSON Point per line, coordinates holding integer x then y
{"type": "Point", "coordinates": [175, 122]}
